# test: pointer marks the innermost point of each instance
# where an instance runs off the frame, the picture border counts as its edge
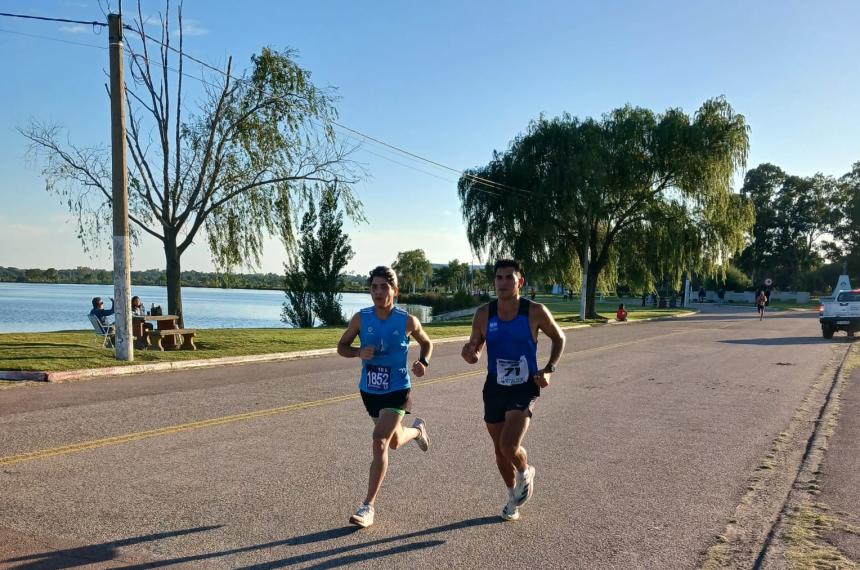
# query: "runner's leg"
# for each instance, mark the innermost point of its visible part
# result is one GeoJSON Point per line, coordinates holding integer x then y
{"type": "Point", "coordinates": [506, 468]}
{"type": "Point", "coordinates": [515, 426]}
{"type": "Point", "coordinates": [387, 433]}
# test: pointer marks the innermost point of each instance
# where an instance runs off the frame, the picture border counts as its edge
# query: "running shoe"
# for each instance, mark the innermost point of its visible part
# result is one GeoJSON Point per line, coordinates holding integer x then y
{"type": "Point", "coordinates": [510, 512]}
{"type": "Point", "coordinates": [423, 440]}
{"type": "Point", "coordinates": [525, 486]}
{"type": "Point", "coordinates": [363, 517]}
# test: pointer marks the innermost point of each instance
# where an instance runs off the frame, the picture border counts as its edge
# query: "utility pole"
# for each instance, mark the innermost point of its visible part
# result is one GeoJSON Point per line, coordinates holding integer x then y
{"type": "Point", "coordinates": [121, 268]}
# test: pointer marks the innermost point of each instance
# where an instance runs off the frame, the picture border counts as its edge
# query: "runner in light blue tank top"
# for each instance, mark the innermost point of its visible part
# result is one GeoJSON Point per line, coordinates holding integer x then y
{"type": "Point", "coordinates": [383, 331]}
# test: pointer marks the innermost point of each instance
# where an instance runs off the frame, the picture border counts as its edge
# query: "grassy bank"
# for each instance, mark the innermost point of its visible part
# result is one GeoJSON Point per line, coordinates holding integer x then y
{"type": "Point", "coordinates": [72, 350]}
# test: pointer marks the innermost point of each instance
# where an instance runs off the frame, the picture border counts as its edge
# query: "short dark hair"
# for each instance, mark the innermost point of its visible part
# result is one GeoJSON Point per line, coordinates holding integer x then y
{"type": "Point", "coordinates": [508, 263]}
{"type": "Point", "coordinates": [96, 302]}
{"type": "Point", "coordinates": [385, 272]}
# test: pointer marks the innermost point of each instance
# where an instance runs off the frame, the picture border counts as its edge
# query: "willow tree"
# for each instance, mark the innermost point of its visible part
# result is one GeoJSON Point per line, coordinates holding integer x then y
{"type": "Point", "coordinates": [236, 167]}
{"type": "Point", "coordinates": [646, 195]}
{"type": "Point", "coordinates": [413, 267]}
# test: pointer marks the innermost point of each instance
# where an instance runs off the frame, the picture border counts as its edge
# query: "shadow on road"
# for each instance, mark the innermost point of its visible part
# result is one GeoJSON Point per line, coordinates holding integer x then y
{"type": "Point", "coordinates": [92, 554]}
{"type": "Point", "coordinates": [351, 556]}
{"type": "Point", "coordinates": [782, 341]}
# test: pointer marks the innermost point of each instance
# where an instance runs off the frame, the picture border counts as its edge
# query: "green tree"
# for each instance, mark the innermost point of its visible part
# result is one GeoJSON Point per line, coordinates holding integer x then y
{"type": "Point", "coordinates": [258, 145]}
{"type": "Point", "coordinates": [630, 185]}
{"type": "Point", "coordinates": [413, 268]}
{"type": "Point", "coordinates": [325, 256]}
{"type": "Point", "coordinates": [298, 309]}
{"type": "Point", "coordinates": [846, 229]}
{"type": "Point", "coordinates": [761, 186]}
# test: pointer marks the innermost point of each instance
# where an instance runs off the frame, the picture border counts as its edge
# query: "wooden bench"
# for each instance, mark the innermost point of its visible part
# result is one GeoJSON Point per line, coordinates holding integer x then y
{"type": "Point", "coordinates": [187, 338]}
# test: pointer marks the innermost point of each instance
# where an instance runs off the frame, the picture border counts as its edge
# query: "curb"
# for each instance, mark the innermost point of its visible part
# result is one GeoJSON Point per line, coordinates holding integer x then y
{"type": "Point", "coordinates": [85, 373]}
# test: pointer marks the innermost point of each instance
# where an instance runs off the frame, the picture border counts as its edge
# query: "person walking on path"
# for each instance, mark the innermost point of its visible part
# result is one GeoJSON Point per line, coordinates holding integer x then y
{"type": "Point", "coordinates": [385, 387]}
{"type": "Point", "coordinates": [509, 326]}
{"type": "Point", "coordinates": [760, 302]}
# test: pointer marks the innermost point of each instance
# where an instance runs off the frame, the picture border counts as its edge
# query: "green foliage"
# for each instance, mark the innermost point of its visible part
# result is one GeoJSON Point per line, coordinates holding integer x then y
{"type": "Point", "coordinates": [155, 277]}
{"type": "Point", "coordinates": [452, 277]}
{"type": "Point", "coordinates": [732, 279]}
{"type": "Point", "coordinates": [648, 195]}
{"type": "Point", "coordinates": [793, 213]}
{"type": "Point", "coordinates": [312, 280]}
{"type": "Point", "coordinates": [413, 269]}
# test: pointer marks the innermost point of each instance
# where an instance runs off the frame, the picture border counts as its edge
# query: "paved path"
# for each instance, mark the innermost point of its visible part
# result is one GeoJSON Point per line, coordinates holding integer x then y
{"type": "Point", "coordinates": [643, 447]}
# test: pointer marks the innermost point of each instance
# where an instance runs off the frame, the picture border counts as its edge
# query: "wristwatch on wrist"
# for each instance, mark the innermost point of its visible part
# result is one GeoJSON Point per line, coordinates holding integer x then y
{"type": "Point", "coordinates": [549, 368]}
{"type": "Point", "coordinates": [423, 361]}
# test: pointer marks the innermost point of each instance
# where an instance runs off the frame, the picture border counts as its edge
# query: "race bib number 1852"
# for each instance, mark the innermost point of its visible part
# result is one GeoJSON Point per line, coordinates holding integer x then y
{"type": "Point", "coordinates": [378, 378]}
{"type": "Point", "coordinates": [511, 372]}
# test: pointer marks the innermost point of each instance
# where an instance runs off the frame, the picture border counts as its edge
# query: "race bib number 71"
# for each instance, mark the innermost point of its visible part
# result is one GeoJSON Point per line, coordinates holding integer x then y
{"type": "Point", "coordinates": [512, 372]}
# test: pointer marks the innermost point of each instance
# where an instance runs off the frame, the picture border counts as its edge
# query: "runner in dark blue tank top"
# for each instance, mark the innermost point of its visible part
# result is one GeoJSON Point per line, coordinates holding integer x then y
{"type": "Point", "coordinates": [385, 386]}
{"type": "Point", "coordinates": [509, 327]}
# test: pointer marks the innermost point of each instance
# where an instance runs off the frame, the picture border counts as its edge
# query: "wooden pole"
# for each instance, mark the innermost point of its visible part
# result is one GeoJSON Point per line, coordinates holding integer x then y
{"type": "Point", "coordinates": [121, 265]}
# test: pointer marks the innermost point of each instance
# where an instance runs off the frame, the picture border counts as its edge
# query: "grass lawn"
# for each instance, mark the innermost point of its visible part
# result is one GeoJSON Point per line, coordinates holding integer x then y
{"type": "Point", "coordinates": [72, 350]}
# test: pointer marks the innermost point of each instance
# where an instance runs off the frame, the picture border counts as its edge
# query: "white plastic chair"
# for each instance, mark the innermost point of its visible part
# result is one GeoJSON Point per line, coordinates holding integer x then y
{"type": "Point", "coordinates": [104, 331]}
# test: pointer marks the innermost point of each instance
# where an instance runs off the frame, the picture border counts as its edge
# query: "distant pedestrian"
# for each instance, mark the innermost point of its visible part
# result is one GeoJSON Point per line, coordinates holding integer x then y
{"type": "Point", "coordinates": [509, 327]}
{"type": "Point", "coordinates": [385, 387]}
{"type": "Point", "coordinates": [760, 302]}
{"type": "Point", "coordinates": [721, 295]}
{"type": "Point", "coordinates": [702, 294]}
{"type": "Point", "coordinates": [621, 313]}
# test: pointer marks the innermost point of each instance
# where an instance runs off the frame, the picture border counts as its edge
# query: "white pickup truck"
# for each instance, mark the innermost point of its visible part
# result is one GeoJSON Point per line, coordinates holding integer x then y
{"type": "Point", "coordinates": [840, 313]}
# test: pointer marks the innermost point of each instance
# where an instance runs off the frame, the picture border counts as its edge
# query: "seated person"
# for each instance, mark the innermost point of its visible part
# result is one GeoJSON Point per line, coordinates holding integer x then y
{"type": "Point", "coordinates": [138, 310]}
{"type": "Point", "coordinates": [101, 313]}
{"type": "Point", "coordinates": [621, 313]}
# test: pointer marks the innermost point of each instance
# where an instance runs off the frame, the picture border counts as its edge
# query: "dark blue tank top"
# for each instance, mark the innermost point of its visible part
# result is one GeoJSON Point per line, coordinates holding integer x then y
{"type": "Point", "coordinates": [511, 352]}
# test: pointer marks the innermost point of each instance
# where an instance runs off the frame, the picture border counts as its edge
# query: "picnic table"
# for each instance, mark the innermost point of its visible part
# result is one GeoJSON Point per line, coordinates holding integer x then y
{"type": "Point", "coordinates": [164, 336]}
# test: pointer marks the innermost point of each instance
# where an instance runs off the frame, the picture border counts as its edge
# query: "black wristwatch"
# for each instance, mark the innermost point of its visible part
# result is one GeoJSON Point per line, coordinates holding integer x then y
{"type": "Point", "coordinates": [549, 368]}
{"type": "Point", "coordinates": [424, 361]}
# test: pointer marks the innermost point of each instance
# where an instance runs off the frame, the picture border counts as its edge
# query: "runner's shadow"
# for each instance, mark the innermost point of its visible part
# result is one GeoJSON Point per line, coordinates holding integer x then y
{"type": "Point", "coordinates": [91, 554]}
{"type": "Point", "coordinates": [331, 534]}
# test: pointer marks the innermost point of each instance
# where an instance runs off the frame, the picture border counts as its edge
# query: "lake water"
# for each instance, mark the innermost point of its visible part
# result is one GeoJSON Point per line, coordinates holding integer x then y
{"type": "Point", "coordinates": [32, 307]}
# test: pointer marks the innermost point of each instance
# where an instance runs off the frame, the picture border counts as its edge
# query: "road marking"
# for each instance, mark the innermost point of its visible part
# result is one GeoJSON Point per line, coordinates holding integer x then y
{"type": "Point", "coordinates": [212, 422]}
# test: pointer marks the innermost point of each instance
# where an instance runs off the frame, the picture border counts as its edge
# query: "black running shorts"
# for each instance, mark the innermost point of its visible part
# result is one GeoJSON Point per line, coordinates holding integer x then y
{"type": "Point", "coordinates": [497, 402]}
{"type": "Point", "coordinates": [400, 401]}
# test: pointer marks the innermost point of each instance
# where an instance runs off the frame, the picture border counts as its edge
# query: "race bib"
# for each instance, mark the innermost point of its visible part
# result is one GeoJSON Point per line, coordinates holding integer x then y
{"type": "Point", "coordinates": [378, 378]}
{"type": "Point", "coordinates": [512, 372]}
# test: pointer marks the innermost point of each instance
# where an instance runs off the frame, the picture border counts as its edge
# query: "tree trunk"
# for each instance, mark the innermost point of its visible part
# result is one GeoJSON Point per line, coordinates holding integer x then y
{"type": "Point", "coordinates": [591, 291]}
{"type": "Point", "coordinates": [174, 274]}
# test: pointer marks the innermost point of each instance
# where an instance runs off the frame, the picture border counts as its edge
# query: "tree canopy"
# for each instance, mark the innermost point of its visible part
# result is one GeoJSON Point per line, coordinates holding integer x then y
{"type": "Point", "coordinates": [643, 194]}
{"type": "Point", "coordinates": [239, 165]}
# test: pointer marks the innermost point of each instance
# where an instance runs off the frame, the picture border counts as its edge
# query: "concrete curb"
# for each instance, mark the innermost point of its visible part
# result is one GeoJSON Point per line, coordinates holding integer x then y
{"type": "Point", "coordinates": [85, 373]}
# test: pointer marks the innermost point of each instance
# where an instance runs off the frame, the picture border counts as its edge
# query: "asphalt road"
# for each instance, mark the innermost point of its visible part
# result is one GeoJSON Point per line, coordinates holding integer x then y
{"type": "Point", "coordinates": [643, 446]}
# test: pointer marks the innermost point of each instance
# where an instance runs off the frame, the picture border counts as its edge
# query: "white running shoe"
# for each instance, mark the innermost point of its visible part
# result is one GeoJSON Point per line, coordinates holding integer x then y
{"type": "Point", "coordinates": [423, 440]}
{"type": "Point", "coordinates": [363, 517]}
{"type": "Point", "coordinates": [510, 512]}
{"type": "Point", "coordinates": [525, 486]}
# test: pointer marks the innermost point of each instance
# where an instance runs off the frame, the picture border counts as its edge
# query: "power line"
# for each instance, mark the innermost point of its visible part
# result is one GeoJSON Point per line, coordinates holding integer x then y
{"type": "Point", "coordinates": [46, 19]}
{"type": "Point", "coordinates": [487, 183]}
{"type": "Point", "coordinates": [49, 38]}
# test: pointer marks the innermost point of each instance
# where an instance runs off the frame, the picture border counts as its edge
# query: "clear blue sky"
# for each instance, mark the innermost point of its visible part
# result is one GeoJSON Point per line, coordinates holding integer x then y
{"type": "Point", "coordinates": [450, 81]}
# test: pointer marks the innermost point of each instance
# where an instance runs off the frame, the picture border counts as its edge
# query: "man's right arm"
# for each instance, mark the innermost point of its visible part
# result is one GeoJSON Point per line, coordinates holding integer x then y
{"type": "Point", "coordinates": [471, 352]}
{"type": "Point", "coordinates": [344, 346]}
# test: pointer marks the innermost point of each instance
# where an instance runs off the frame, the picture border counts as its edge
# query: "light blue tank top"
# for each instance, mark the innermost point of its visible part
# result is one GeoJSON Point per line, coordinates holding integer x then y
{"type": "Point", "coordinates": [386, 371]}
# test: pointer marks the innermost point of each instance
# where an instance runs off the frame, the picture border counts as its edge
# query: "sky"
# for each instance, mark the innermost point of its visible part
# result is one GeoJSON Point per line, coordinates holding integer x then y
{"type": "Point", "coordinates": [450, 81]}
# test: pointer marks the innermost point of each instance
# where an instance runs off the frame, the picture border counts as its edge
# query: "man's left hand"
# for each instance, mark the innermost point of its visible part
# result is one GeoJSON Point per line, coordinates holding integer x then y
{"type": "Point", "coordinates": [418, 369]}
{"type": "Point", "coordinates": [542, 378]}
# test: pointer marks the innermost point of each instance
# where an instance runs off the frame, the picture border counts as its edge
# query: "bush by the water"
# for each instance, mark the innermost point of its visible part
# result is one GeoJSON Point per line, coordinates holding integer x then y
{"type": "Point", "coordinates": [443, 303]}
